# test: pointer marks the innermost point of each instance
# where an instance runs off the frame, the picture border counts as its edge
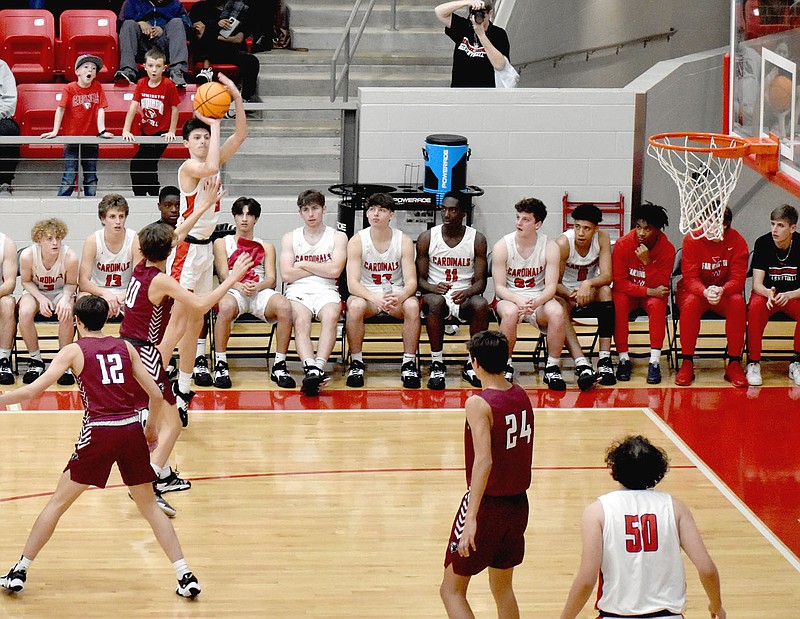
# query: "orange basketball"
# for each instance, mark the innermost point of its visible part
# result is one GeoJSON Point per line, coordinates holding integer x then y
{"type": "Point", "coordinates": [779, 93]}
{"type": "Point", "coordinates": [212, 99]}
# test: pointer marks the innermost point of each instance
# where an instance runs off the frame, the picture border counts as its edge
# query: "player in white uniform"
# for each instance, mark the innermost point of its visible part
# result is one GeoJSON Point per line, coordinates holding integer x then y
{"type": "Point", "coordinates": [585, 286]}
{"type": "Point", "coordinates": [255, 294]}
{"type": "Point", "coordinates": [194, 258]}
{"type": "Point", "coordinates": [107, 260]}
{"type": "Point", "coordinates": [451, 274]}
{"type": "Point", "coordinates": [312, 258]}
{"type": "Point", "coordinates": [381, 277]}
{"type": "Point", "coordinates": [49, 275]}
{"type": "Point", "coordinates": [8, 319]}
{"type": "Point", "coordinates": [525, 273]}
{"type": "Point", "coordinates": [632, 538]}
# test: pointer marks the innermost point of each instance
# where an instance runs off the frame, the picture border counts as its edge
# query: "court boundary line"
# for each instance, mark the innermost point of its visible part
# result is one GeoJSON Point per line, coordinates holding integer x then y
{"type": "Point", "coordinates": [720, 485]}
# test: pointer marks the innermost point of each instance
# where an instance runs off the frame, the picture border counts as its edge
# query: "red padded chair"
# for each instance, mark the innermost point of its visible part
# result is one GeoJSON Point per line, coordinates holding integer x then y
{"type": "Point", "coordinates": [185, 112]}
{"type": "Point", "coordinates": [36, 110]}
{"type": "Point", "coordinates": [119, 101]}
{"type": "Point", "coordinates": [89, 31]}
{"type": "Point", "coordinates": [27, 44]}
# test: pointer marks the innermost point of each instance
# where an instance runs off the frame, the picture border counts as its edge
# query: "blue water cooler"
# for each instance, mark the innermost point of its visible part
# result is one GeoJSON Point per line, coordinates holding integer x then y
{"type": "Point", "coordinates": [446, 157]}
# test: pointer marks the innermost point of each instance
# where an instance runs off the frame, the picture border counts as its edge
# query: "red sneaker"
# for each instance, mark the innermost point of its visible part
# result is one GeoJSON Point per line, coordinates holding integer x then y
{"type": "Point", "coordinates": [735, 375]}
{"type": "Point", "coordinates": [685, 375]}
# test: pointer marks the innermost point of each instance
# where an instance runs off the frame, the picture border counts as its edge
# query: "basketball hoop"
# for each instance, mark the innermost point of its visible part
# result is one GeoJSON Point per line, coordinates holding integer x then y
{"type": "Point", "coordinates": [706, 167]}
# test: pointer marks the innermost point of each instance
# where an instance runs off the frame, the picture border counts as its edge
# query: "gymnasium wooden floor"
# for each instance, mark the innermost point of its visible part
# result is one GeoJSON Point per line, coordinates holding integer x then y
{"type": "Point", "coordinates": [340, 506]}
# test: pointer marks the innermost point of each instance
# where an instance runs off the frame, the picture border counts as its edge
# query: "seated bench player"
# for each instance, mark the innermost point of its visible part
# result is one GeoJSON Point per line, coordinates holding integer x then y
{"type": "Point", "coordinates": [451, 275]}
{"type": "Point", "coordinates": [585, 285]}
{"type": "Point", "coordinates": [8, 318]}
{"type": "Point", "coordinates": [49, 276]}
{"type": "Point", "coordinates": [107, 259]}
{"type": "Point", "coordinates": [255, 294]}
{"type": "Point", "coordinates": [382, 278]}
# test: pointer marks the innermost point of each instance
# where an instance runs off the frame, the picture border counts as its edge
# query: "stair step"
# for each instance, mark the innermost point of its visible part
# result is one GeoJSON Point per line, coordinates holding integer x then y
{"type": "Point", "coordinates": [363, 57]}
{"type": "Point", "coordinates": [374, 38]}
{"type": "Point", "coordinates": [310, 83]}
{"type": "Point", "coordinates": [421, 16]}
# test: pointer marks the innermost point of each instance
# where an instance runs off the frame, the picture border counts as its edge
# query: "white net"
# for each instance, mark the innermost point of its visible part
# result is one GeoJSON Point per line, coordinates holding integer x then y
{"type": "Point", "coordinates": [705, 181]}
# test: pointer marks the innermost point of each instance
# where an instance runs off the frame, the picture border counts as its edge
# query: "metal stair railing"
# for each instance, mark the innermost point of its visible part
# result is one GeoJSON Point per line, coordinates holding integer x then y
{"type": "Point", "coordinates": [349, 48]}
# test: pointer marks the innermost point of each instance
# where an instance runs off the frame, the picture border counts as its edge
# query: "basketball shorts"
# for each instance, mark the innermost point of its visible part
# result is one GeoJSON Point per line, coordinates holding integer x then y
{"type": "Point", "coordinates": [314, 301]}
{"type": "Point", "coordinates": [255, 305]}
{"type": "Point", "coordinates": [101, 444]}
{"type": "Point", "coordinates": [500, 538]}
{"type": "Point", "coordinates": [453, 309]}
{"type": "Point", "coordinates": [193, 267]}
{"type": "Point", "coordinates": [54, 296]}
{"type": "Point", "coordinates": [531, 318]}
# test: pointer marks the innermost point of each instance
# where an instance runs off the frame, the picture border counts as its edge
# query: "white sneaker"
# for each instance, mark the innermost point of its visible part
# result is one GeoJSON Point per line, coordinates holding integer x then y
{"type": "Point", "coordinates": [794, 372]}
{"type": "Point", "coordinates": [753, 374]}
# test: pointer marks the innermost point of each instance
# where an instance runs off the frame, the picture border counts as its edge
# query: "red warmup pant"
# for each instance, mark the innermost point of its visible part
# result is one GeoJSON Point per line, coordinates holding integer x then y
{"type": "Point", "coordinates": [656, 309]}
{"type": "Point", "coordinates": [757, 318]}
{"type": "Point", "coordinates": [692, 307]}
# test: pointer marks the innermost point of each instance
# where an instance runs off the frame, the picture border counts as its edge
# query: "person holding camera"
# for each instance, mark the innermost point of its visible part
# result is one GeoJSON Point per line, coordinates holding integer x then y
{"type": "Point", "coordinates": [481, 48]}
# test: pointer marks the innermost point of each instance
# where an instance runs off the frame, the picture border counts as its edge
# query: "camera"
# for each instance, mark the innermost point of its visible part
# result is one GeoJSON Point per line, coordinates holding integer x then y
{"type": "Point", "coordinates": [478, 14]}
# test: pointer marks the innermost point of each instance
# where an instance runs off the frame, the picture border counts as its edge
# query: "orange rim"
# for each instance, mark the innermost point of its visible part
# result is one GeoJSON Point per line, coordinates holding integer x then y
{"type": "Point", "coordinates": [726, 146]}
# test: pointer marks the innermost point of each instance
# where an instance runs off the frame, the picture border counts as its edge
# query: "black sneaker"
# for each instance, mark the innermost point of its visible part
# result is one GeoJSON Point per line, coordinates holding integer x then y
{"type": "Point", "coordinates": [66, 379]}
{"type": "Point", "coordinates": [126, 76]}
{"type": "Point", "coordinates": [438, 374]}
{"type": "Point", "coordinates": [172, 369]}
{"type": "Point", "coordinates": [222, 379]}
{"type": "Point", "coordinates": [281, 376]}
{"type": "Point", "coordinates": [201, 375]}
{"type": "Point", "coordinates": [312, 381]}
{"type": "Point", "coordinates": [6, 374]}
{"type": "Point", "coordinates": [409, 374]}
{"type": "Point", "coordinates": [605, 367]}
{"type": "Point", "coordinates": [469, 375]}
{"type": "Point", "coordinates": [586, 377]}
{"type": "Point", "coordinates": [165, 507]}
{"type": "Point", "coordinates": [188, 586]}
{"type": "Point", "coordinates": [553, 379]}
{"type": "Point", "coordinates": [35, 370]}
{"type": "Point", "coordinates": [204, 76]}
{"type": "Point", "coordinates": [653, 374]}
{"type": "Point", "coordinates": [508, 373]}
{"type": "Point", "coordinates": [171, 483]}
{"type": "Point", "coordinates": [182, 402]}
{"type": "Point", "coordinates": [624, 370]}
{"type": "Point", "coordinates": [355, 375]}
{"type": "Point", "coordinates": [178, 78]}
{"type": "Point", "coordinates": [14, 581]}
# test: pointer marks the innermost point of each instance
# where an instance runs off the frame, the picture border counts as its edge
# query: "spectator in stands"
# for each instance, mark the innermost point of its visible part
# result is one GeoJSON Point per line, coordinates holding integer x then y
{"type": "Point", "coordinates": [9, 154]}
{"type": "Point", "coordinates": [8, 319]}
{"type": "Point", "coordinates": [525, 272]}
{"type": "Point", "coordinates": [107, 260]}
{"type": "Point", "coordinates": [585, 285]}
{"type": "Point", "coordinates": [313, 256]}
{"type": "Point", "coordinates": [49, 274]}
{"type": "Point", "coordinates": [382, 278]}
{"type": "Point", "coordinates": [155, 100]}
{"type": "Point", "coordinates": [481, 47]}
{"type": "Point", "coordinates": [714, 272]}
{"type": "Point", "coordinates": [256, 17]}
{"type": "Point", "coordinates": [81, 111]}
{"type": "Point", "coordinates": [776, 288]}
{"type": "Point", "coordinates": [451, 274]}
{"type": "Point", "coordinates": [642, 263]}
{"type": "Point", "coordinates": [160, 23]}
{"type": "Point", "coordinates": [254, 294]}
{"type": "Point", "coordinates": [211, 45]}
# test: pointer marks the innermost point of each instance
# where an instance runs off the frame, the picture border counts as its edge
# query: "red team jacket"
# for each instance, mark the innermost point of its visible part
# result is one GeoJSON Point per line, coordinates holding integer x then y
{"type": "Point", "coordinates": [707, 263]}
{"type": "Point", "coordinates": [633, 278]}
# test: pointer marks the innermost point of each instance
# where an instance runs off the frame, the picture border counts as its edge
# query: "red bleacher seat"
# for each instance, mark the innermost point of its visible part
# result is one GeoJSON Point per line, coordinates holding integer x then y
{"type": "Point", "coordinates": [119, 102]}
{"type": "Point", "coordinates": [27, 44]}
{"type": "Point", "coordinates": [88, 31]}
{"type": "Point", "coordinates": [188, 4]}
{"type": "Point", "coordinates": [36, 109]}
{"type": "Point", "coordinates": [185, 112]}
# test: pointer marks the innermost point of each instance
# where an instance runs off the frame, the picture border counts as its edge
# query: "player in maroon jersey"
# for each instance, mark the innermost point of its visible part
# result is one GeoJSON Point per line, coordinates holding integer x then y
{"type": "Point", "coordinates": [148, 305]}
{"type": "Point", "coordinates": [107, 370]}
{"type": "Point", "coordinates": [488, 530]}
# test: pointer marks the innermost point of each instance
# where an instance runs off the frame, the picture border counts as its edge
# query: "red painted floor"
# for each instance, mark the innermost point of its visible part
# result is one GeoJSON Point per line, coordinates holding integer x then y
{"type": "Point", "coordinates": [749, 438]}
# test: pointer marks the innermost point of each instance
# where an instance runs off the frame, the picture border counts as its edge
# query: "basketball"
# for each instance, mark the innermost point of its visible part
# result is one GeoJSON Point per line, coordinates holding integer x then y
{"type": "Point", "coordinates": [779, 93]}
{"type": "Point", "coordinates": [212, 99]}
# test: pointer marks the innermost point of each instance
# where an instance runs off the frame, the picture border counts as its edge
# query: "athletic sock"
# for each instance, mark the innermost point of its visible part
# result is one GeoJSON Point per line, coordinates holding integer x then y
{"type": "Point", "coordinates": [156, 469]}
{"type": "Point", "coordinates": [36, 354]}
{"type": "Point", "coordinates": [581, 361]}
{"type": "Point", "coordinates": [23, 564]}
{"type": "Point", "coordinates": [184, 381]}
{"type": "Point", "coordinates": [605, 354]}
{"type": "Point", "coordinates": [437, 356]}
{"type": "Point", "coordinates": [222, 356]}
{"type": "Point", "coordinates": [280, 356]}
{"type": "Point", "coordinates": [5, 353]}
{"type": "Point", "coordinates": [623, 356]}
{"type": "Point", "coordinates": [655, 355]}
{"type": "Point", "coordinates": [201, 348]}
{"type": "Point", "coordinates": [409, 358]}
{"type": "Point", "coordinates": [553, 361]}
{"type": "Point", "coordinates": [357, 356]}
{"type": "Point", "coordinates": [181, 569]}
{"type": "Point", "coordinates": [320, 363]}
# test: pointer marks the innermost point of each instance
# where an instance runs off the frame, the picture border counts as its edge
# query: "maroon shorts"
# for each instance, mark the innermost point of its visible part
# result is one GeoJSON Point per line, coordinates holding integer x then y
{"type": "Point", "coordinates": [500, 539]}
{"type": "Point", "coordinates": [151, 359]}
{"type": "Point", "coordinates": [99, 447]}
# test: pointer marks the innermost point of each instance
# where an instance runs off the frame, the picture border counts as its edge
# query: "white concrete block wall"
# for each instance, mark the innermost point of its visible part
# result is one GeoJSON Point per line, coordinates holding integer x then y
{"type": "Point", "coordinates": [524, 142]}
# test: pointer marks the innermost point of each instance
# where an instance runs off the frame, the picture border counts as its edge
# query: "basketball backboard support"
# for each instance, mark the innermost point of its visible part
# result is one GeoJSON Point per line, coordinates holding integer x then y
{"type": "Point", "coordinates": [762, 87]}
